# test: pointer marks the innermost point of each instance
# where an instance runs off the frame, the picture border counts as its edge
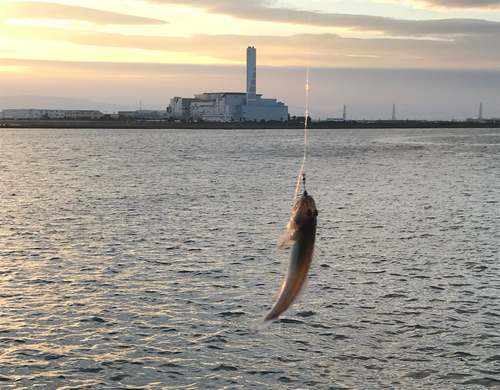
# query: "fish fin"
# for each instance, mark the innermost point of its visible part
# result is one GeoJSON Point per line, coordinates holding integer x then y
{"type": "Point", "coordinates": [303, 289]}
{"type": "Point", "coordinates": [278, 293]}
{"type": "Point", "coordinates": [317, 252]}
{"type": "Point", "coordinates": [286, 240]}
{"type": "Point", "coordinates": [261, 324]}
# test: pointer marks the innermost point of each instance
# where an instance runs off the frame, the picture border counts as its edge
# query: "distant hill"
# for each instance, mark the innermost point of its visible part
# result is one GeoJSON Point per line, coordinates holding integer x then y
{"type": "Point", "coordinates": [57, 102]}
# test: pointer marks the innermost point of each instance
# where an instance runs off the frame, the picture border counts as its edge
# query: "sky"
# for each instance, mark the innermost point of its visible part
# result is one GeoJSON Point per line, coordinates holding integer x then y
{"type": "Point", "coordinates": [434, 59]}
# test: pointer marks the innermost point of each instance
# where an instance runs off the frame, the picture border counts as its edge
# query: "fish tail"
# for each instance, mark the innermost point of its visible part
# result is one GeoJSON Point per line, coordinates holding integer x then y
{"type": "Point", "coordinates": [261, 324]}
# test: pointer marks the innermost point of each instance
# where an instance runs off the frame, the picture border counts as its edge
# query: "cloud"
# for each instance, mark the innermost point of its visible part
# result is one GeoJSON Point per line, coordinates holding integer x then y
{"type": "Point", "coordinates": [260, 10]}
{"type": "Point", "coordinates": [325, 50]}
{"type": "Point", "coordinates": [461, 4]}
{"type": "Point", "coordinates": [44, 10]}
{"type": "Point", "coordinates": [443, 44]}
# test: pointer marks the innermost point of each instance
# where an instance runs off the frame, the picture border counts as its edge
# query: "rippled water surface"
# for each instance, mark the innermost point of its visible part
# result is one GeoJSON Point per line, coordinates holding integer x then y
{"type": "Point", "coordinates": [136, 259]}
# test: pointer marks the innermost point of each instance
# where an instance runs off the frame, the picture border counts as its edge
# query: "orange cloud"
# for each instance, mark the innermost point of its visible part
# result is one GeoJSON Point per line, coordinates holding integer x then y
{"type": "Point", "coordinates": [13, 68]}
{"type": "Point", "coordinates": [458, 5]}
{"type": "Point", "coordinates": [44, 10]}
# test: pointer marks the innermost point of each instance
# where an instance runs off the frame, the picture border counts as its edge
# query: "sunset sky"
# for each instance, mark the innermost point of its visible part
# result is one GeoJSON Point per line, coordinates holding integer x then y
{"type": "Point", "coordinates": [434, 59]}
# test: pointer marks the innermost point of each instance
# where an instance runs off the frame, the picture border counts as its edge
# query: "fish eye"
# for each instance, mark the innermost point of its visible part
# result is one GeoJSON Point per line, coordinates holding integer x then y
{"type": "Point", "coordinates": [309, 212]}
{"type": "Point", "coordinates": [315, 213]}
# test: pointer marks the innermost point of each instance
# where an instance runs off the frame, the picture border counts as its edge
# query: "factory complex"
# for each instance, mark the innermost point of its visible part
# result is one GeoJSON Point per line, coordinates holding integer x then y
{"type": "Point", "coordinates": [231, 106]}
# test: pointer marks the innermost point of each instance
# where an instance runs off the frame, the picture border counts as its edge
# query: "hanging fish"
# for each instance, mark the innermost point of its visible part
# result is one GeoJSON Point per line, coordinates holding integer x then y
{"type": "Point", "coordinates": [300, 234]}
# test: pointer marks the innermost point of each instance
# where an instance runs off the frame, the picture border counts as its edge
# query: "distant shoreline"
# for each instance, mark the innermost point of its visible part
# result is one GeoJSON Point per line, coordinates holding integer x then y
{"type": "Point", "coordinates": [100, 124]}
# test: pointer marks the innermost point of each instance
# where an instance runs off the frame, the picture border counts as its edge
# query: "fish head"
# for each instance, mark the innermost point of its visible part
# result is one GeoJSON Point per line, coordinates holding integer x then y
{"type": "Point", "coordinates": [304, 215]}
{"type": "Point", "coordinates": [304, 210]}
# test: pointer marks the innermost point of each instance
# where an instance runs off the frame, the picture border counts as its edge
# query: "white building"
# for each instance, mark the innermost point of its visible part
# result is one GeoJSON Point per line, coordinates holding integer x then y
{"type": "Point", "coordinates": [180, 107]}
{"type": "Point", "coordinates": [231, 106]}
{"type": "Point", "coordinates": [218, 107]}
{"type": "Point", "coordinates": [82, 114]}
{"type": "Point", "coordinates": [33, 113]}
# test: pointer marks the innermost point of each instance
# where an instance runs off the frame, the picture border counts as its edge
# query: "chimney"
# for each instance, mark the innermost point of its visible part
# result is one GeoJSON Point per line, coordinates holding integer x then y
{"type": "Point", "coordinates": [251, 75]}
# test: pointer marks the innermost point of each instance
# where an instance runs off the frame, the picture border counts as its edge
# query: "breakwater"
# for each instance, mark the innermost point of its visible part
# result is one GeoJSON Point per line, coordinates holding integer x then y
{"type": "Point", "coordinates": [116, 124]}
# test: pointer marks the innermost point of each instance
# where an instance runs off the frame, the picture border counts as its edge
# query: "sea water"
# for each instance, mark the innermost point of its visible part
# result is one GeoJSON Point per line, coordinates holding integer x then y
{"type": "Point", "coordinates": [136, 259]}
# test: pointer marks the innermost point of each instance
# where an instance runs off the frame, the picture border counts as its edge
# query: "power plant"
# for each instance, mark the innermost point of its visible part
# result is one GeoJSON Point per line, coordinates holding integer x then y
{"type": "Point", "coordinates": [231, 106]}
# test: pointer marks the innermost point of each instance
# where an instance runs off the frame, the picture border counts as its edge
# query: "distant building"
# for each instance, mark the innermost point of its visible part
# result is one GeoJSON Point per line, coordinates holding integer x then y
{"type": "Point", "coordinates": [33, 113]}
{"type": "Point", "coordinates": [82, 114]}
{"type": "Point", "coordinates": [180, 107]}
{"type": "Point", "coordinates": [149, 114]}
{"type": "Point", "coordinates": [231, 106]}
{"type": "Point", "coordinates": [125, 114]}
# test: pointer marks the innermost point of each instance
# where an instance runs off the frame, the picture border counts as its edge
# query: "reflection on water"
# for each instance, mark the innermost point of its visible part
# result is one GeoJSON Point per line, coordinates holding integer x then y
{"type": "Point", "coordinates": [137, 259]}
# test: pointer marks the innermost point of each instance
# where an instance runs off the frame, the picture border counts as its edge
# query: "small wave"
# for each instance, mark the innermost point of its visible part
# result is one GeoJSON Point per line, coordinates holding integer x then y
{"type": "Point", "coordinates": [308, 313]}
{"type": "Point", "coordinates": [171, 365]}
{"type": "Point", "coordinates": [232, 313]}
{"type": "Point", "coordinates": [118, 377]}
{"type": "Point", "coordinates": [224, 367]}
{"type": "Point", "coordinates": [419, 374]}
{"type": "Point", "coordinates": [291, 321]}
{"type": "Point", "coordinates": [96, 319]}
{"type": "Point", "coordinates": [486, 382]}
{"type": "Point", "coordinates": [395, 295]}
{"type": "Point", "coordinates": [91, 370]}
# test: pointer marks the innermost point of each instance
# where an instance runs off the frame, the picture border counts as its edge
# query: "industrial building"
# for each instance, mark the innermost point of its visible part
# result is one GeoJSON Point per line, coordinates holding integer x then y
{"type": "Point", "coordinates": [231, 106]}
{"type": "Point", "coordinates": [32, 113]}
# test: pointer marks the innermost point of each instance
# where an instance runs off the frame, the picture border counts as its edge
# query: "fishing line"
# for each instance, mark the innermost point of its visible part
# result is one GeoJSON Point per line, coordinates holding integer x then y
{"type": "Point", "coordinates": [301, 174]}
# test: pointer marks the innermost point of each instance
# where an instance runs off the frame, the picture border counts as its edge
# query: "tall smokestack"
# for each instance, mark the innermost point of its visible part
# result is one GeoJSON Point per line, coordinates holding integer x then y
{"type": "Point", "coordinates": [251, 75]}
